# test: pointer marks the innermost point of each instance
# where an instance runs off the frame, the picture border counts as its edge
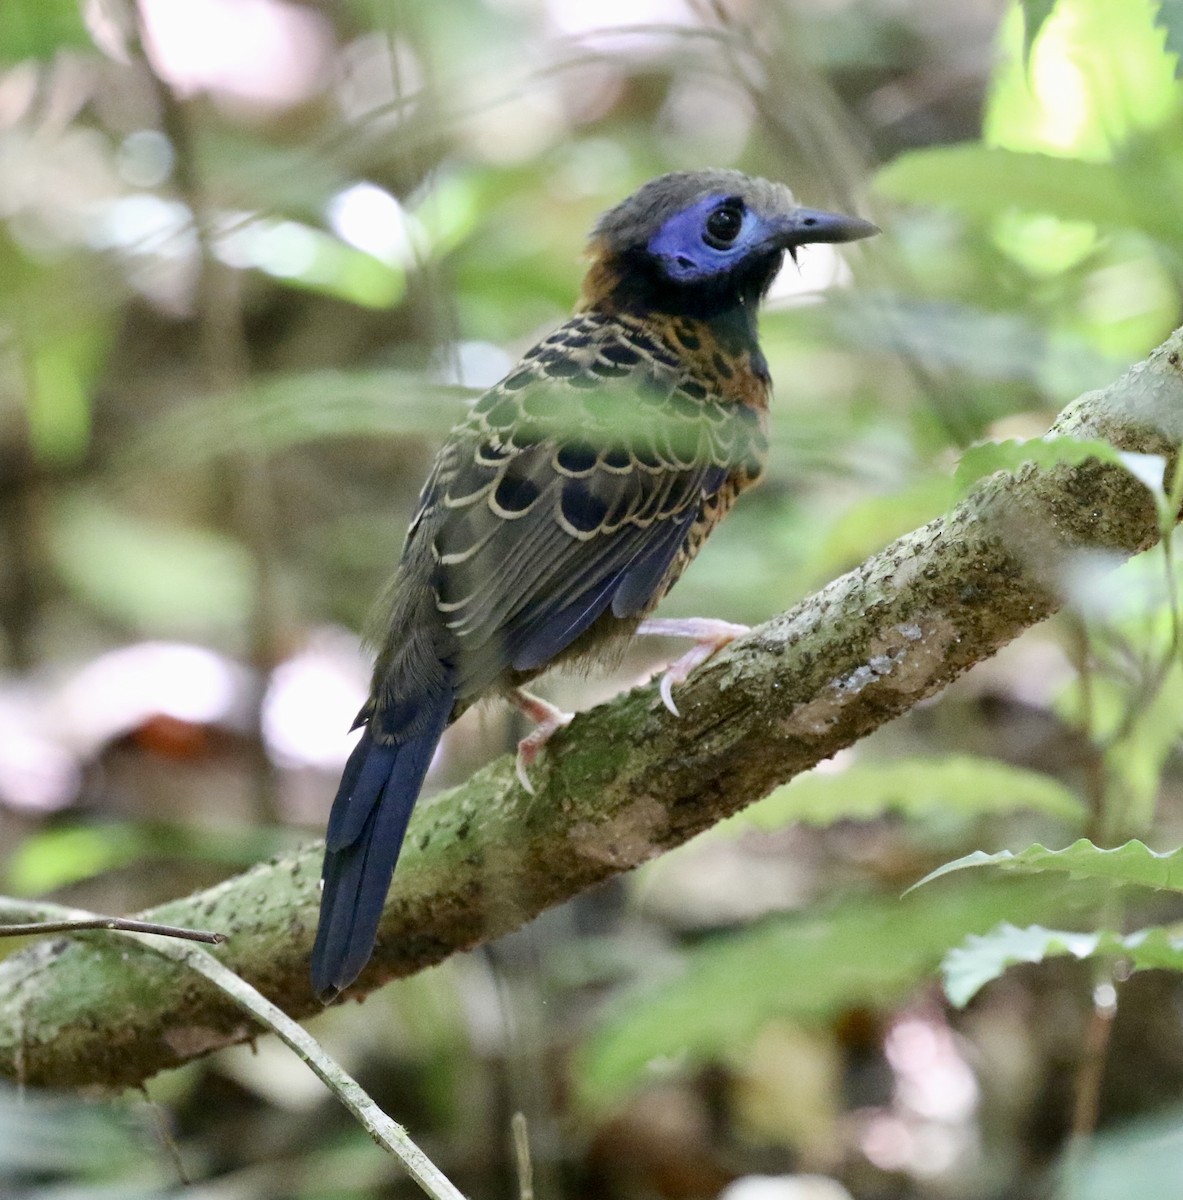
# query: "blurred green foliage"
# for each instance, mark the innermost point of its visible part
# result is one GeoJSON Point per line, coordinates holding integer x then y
{"type": "Point", "coordinates": [257, 256]}
{"type": "Point", "coordinates": [30, 29]}
{"type": "Point", "coordinates": [809, 968]}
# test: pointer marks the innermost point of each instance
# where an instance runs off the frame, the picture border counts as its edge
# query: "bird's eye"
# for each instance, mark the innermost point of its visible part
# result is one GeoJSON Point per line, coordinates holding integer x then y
{"type": "Point", "coordinates": [723, 226]}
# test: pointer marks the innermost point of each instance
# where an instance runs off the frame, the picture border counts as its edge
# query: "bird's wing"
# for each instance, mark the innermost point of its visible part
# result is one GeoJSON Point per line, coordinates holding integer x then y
{"type": "Point", "coordinates": [568, 491]}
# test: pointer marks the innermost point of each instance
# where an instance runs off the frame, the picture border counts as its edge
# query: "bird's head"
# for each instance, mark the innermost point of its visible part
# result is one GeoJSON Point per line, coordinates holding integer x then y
{"type": "Point", "coordinates": [701, 243]}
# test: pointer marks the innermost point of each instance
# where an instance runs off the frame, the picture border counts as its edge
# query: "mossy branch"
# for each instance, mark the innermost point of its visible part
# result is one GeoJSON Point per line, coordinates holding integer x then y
{"type": "Point", "coordinates": [626, 780]}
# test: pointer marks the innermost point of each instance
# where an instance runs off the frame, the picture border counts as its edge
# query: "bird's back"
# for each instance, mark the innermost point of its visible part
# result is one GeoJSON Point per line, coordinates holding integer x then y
{"type": "Point", "coordinates": [567, 503]}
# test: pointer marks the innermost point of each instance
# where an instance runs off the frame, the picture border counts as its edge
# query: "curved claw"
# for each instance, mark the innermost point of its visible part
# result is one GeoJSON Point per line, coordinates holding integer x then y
{"type": "Point", "coordinates": [519, 769]}
{"type": "Point", "coordinates": [709, 636]}
{"type": "Point", "coordinates": [549, 720]}
{"type": "Point", "coordinates": [667, 692]}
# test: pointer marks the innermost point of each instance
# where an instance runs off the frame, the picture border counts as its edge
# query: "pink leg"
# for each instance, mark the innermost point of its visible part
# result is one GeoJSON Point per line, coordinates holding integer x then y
{"type": "Point", "coordinates": [708, 634]}
{"type": "Point", "coordinates": [548, 718]}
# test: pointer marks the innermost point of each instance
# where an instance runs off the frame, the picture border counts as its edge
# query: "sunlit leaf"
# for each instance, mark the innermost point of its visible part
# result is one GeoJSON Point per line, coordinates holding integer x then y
{"type": "Point", "coordinates": [58, 406]}
{"type": "Point", "coordinates": [57, 857]}
{"type": "Point", "coordinates": [1096, 79]}
{"type": "Point", "coordinates": [982, 958]}
{"type": "Point", "coordinates": [449, 211]}
{"type": "Point", "coordinates": [1035, 14]}
{"type": "Point", "coordinates": [301, 256]}
{"type": "Point", "coordinates": [1132, 863]}
{"type": "Point", "coordinates": [57, 314]}
{"type": "Point", "coordinates": [985, 181]}
{"type": "Point", "coordinates": [1047, 246]}
{"type": "Point", "coordinates": [915, 787]}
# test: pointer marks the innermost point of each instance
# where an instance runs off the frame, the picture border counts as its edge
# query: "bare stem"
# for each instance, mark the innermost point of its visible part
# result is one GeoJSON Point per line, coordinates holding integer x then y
{"type": "Point", "coordinates": [521, 1151]}
{"type": "Point", "coordinates": [1092, 1067]}
{"type": "Point", "coordinates": [388, 1134]}
{"type": "Point", "coordinates": [120, 924]}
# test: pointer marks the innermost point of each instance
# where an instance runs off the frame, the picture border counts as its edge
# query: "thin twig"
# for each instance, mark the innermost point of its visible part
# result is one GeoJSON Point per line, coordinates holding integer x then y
{"type": "Point", "coordinates": [120, 924]}
{"type": "Point", "coordinates": [166, 1138]}
{"type": "Point", "coordinates": [521, 1153]}
{"type": "Point", "coordinates": [1091, 1074]}
{"type": "Point", "coordinates": [388, 1134]}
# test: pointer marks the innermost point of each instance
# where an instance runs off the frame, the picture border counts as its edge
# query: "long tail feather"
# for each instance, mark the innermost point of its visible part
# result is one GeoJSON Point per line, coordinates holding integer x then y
{"type": "Point", "coordinates": [367, 824]}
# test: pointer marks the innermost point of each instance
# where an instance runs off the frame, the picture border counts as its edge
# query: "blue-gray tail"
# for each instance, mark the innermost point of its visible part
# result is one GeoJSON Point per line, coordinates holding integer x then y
{"type": "Point", "coordinates": [368, 822]}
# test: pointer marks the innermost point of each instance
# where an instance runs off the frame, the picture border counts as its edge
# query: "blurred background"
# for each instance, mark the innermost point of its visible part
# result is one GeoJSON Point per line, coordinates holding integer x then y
{"type": "Point", "coordinates": [256, 256]}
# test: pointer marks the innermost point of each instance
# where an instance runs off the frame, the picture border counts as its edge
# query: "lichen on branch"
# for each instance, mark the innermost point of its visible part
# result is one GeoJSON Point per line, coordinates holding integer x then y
{"type": "Point", "coordinates": [625, 781]}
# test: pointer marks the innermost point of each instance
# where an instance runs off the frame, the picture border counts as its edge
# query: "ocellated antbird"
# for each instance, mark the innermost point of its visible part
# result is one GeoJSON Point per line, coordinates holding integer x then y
{"type": "Point", "coordinates": [568, 503]}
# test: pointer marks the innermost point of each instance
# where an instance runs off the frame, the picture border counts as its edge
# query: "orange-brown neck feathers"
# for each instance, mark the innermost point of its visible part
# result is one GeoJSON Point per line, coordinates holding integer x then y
{"type": "Point", "coordinates": [601, 285]}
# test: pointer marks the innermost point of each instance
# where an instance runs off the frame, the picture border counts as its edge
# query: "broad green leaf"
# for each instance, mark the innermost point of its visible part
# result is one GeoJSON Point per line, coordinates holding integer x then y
{"type": "Point", "coordinates": [40, 28]}
{"type": "Point", "coordinates": [56, 858]}
{"type": "Point", "coordinates": [985, 181]}
{"type": "Point", "coordinates": [77, 1143]}
{"type": "Point", "coordinates": [1097, 79]}
{"type": "Point", "coordinates": [1142, 1157]}
{"type": "Point", "coordinates": [61, 322]}
{"type": "Point", "coordinates": [150, 574]}
{"type": "Point", "coordinates": [915, 787]}
{"type": "Point", "coordinates": [865, 951]}
{"type": "Point", "coordinates": [1133, 863]}
{"type": "Point", "coordinates": [57, 405]}
{"type": "Point", "coordinates": [1009, 455]}
{"type": "Point", "coordinates": [982, 958]}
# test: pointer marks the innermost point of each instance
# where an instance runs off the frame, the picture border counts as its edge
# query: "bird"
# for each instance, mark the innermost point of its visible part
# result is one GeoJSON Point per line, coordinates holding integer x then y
{"type": "Point", "coordinates": [567, 503]}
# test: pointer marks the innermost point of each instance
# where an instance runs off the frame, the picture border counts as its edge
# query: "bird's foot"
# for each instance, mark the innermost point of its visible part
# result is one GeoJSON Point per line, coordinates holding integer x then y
{"type": "Point", "coordinates": [709, 636]}
{"type": "Point", "coordinates": [548, 718]}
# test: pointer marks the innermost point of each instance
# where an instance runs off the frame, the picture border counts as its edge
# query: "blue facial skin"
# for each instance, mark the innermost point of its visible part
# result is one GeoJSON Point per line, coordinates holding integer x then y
{"type": "Point", "coordinates": [686, 257]}
{"type": "Point", "coordinates": [715, 259]}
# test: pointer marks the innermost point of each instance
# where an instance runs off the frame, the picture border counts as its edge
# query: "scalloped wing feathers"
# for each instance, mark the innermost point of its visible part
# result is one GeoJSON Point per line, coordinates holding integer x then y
{"type": "Point", "coordinates": [570, 491]}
